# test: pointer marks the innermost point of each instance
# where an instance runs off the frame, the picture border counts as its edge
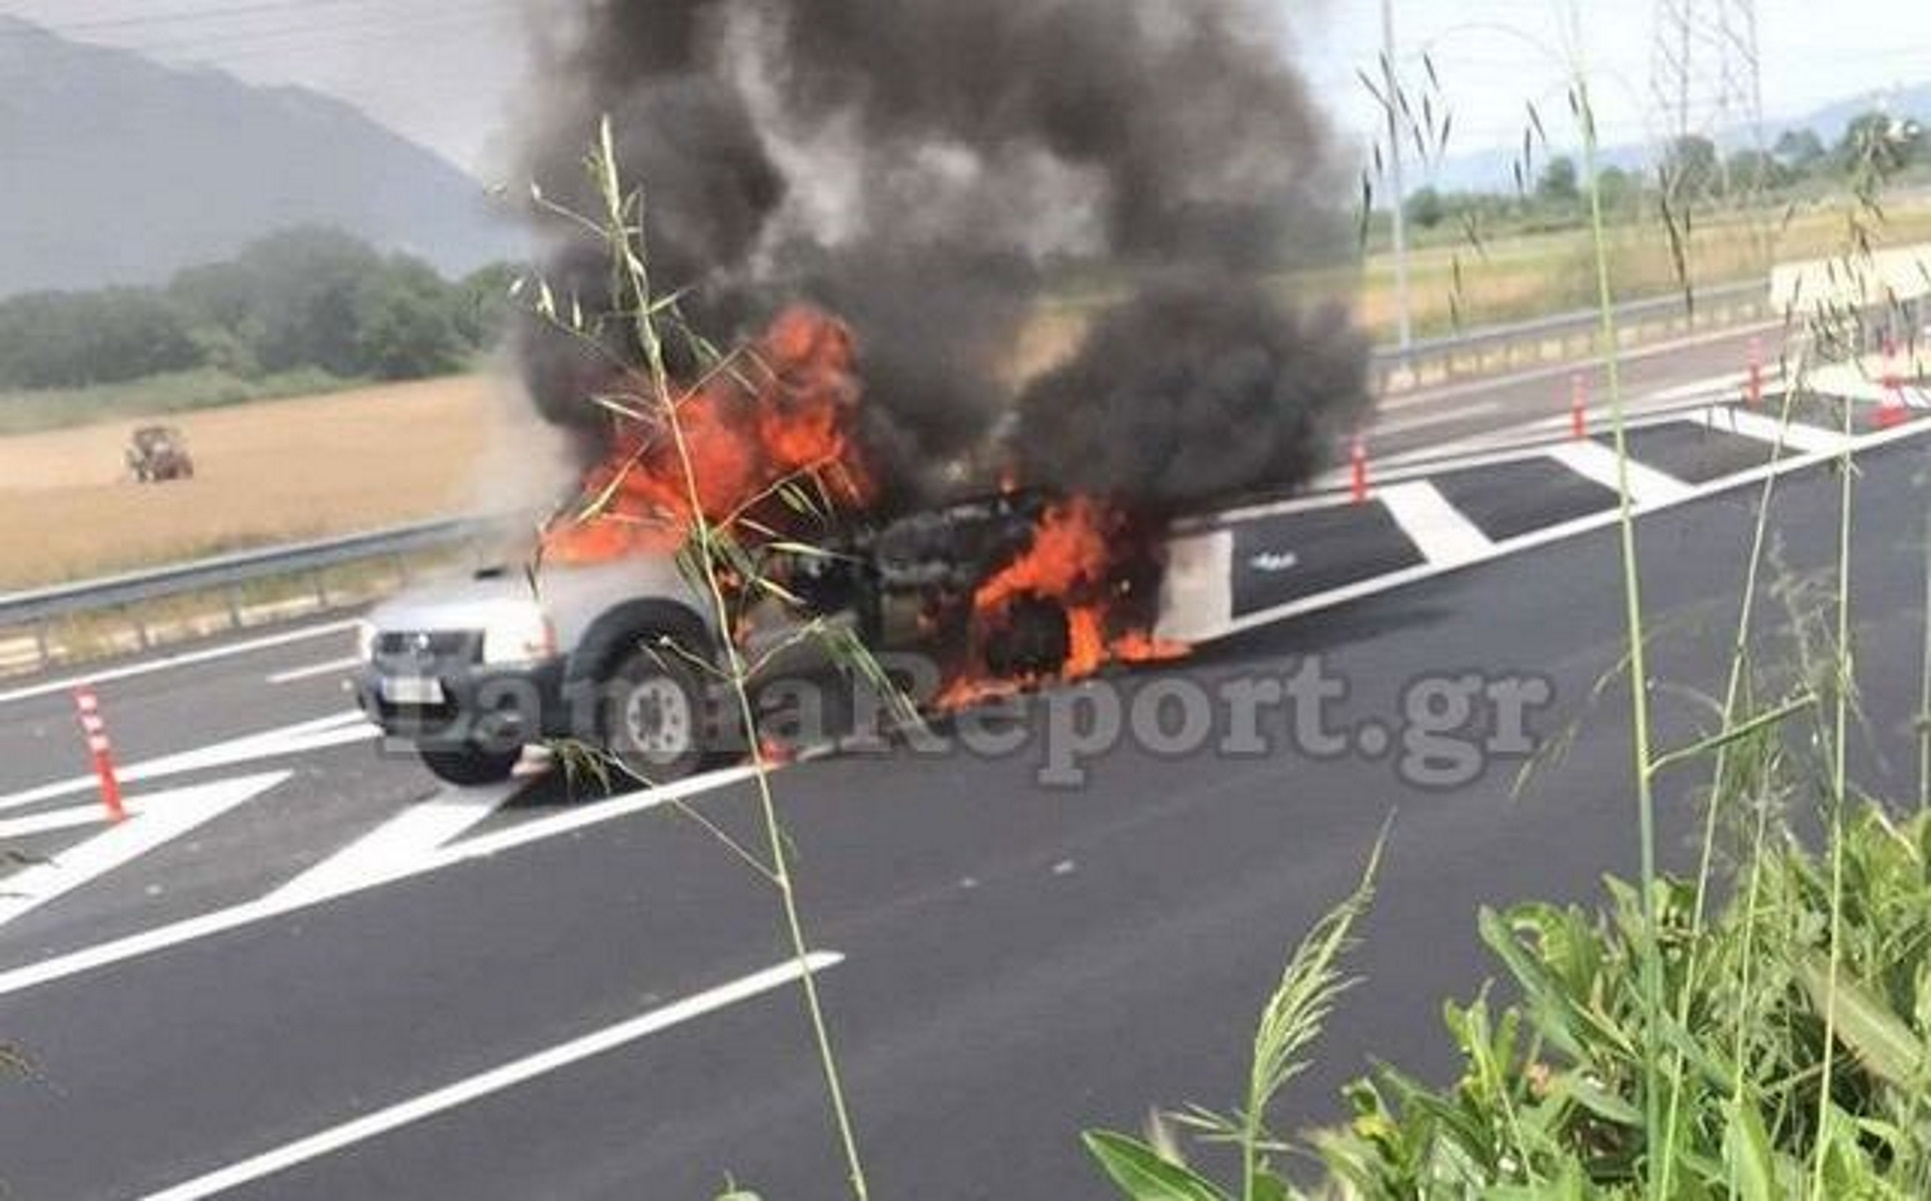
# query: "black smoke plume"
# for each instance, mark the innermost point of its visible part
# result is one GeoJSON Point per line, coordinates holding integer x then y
{"type": "Point", "coordinates": [935, 171]}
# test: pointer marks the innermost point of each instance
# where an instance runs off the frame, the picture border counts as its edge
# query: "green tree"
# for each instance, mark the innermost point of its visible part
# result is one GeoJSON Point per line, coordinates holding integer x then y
{"type": "Point", "coordinates": [484, 308]}
{"type": "Point", "coordinates": [1880, 143]}
{"type": "Point", "coordinates": [404, 317]}
{"type": "Point", "coordinates": [1559, 184]}
{"type": "Point", "coordinates": [1755, 170]}
{"type": "Point", "coordinates": [1426, 209]}
{"type": "Point", "coordinates": [1800, 152]}
{"type": "Point", "coordinates": [55, 339]}
{"type": "Point", "coordinates": [1619, 188]}
{"type": "Point", "coordinates": [1691, 167]}
{"type": "Point", "coordinates": [291, 297]}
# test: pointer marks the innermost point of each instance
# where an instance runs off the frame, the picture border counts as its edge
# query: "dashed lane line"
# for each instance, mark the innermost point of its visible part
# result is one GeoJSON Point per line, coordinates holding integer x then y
{"type": "Point", "coordinates": [339, 729]}
{"type": "Point", "coordinates": [335, 667]}
{"type": "Point", "coordinates": [209, 925]}
{"type": "Point", "coordinates": [1408, 425]}
{"type": "Point", "coordinates": [187, 659]}
{"type": "Point", "coordinates": [496, 1080]}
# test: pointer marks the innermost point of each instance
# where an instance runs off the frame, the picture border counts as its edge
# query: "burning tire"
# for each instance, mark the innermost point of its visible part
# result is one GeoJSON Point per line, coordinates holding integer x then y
{"type": "Point", "coordinates": [1032, 641]}
{"type": "Point", "coordinates": [469, 765]}
{"type": "Point", "coordinates": [652, 718]}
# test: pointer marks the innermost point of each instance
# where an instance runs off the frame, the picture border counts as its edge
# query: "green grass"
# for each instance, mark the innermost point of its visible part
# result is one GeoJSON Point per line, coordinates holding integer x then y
{"type": "Point", "coordinates": [31, 411]}
{"type": "Point", "coordinates": [1758, 1032]}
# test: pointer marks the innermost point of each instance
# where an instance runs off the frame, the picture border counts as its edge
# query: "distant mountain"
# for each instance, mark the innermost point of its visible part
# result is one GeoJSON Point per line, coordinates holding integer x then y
{"type": "Point", "coordinates": [1493, 170]}
{"type": "Point", "coordinates": [117, 170]}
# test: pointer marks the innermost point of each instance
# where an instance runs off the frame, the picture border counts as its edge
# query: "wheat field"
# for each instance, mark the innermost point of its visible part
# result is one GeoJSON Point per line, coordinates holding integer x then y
{"type": "Point", "coordinates": [271, 472]}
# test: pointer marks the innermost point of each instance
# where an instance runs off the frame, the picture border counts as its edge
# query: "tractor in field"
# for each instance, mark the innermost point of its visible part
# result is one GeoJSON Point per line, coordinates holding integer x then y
{"type": "Point", "coordinates": [158, 454]}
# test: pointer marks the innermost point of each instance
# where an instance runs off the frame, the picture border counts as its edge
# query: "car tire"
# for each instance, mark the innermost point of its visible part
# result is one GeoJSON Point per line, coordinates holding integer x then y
{"type": "Point", "coordinates": [469, 766]}
{"type": "Point", "coordinates": [652, 720]}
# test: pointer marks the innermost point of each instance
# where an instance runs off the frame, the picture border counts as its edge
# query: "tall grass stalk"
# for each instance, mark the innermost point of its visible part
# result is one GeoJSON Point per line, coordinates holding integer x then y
{"type": "Point", "coordinates": [1720, 782]}
{"type": "Point", "coordinates": [623, 224]}
{"type": "Point", "coordinates": [1311, 985]}
{"type": "Point", "coordinates": [1924, 693]}
{"type": "Point", "coordinates": [1846, 676]}
{"type": "Point", "coordinates": [1652, 966]}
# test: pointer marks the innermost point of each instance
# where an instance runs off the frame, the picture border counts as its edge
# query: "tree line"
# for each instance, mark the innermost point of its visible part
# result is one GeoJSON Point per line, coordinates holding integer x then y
{"type": "Point", "coordinates": [307, 298]}
{"type": "Point", "coordinates": [1692, 170]}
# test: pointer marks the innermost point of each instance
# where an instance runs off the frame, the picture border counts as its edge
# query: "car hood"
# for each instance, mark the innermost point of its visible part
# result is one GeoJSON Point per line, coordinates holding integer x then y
{"type": "Point", "coordinates": [572, 598]}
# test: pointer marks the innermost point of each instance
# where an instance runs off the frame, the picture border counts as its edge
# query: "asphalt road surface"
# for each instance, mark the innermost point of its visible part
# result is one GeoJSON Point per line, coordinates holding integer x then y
{"type": "Point", "coordinates": [1470, 408]}
{"type": "Point", "coordinates": [329, 978]}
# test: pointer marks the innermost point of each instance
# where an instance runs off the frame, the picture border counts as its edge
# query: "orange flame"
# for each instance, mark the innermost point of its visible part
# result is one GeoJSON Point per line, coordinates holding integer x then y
{"type": "Point", "coordinates": [786, 413]}
{"type": "Point", "coordinates": [1076, 560]}
{"type": "Point", "coordinates": [782, 414]}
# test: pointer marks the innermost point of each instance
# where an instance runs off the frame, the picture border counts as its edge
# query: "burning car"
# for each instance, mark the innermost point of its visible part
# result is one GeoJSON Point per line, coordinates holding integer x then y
{"type": "Point", "coordinates": [622, 654]}
{"type": "Point", "coordinates": [610, 645]}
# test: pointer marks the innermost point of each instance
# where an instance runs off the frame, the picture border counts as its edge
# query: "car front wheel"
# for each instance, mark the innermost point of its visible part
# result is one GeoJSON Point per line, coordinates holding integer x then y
{"type": "Point", "coordinates": [653, 718]}
{"type": "Point", "coordinates": [468, 766]}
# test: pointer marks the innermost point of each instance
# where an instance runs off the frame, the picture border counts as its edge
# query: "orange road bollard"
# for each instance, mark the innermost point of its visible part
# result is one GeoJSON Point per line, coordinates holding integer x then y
{"type": "Point", "coordinates": [1756, 372]}
{"type": "Point", "coordinates": [101, 750]}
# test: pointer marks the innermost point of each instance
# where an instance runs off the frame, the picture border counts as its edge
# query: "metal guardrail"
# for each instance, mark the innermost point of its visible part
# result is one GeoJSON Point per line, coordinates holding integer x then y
{"type": "Point", "coordinates": [230, 571]}
{"type": "Point", "coordinates": [37, 609]}
{"type": "Point", "coordinates": [1583, 323]}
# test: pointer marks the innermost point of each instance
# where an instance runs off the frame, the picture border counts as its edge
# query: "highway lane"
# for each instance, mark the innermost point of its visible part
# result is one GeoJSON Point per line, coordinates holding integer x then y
{"type": "Point", "coordinates": [161, 710]}
{"type": "Point", "coordinates": [1020, 961]}
{"type": "Point", "coordinates": [1433, 416]}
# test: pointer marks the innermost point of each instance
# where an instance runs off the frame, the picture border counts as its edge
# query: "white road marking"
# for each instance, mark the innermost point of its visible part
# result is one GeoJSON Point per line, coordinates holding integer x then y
{"type": "Point", "coordinates": [1557, 533]}
{"type": "Point", "coordinates": [186, 659]}
{"type": "Point", "coordinates": [1444, 536]}
{"type": "Point", "coordinates": [1716, 388]}
{"type": "Point", "coordinates": [419, 830]}
{"type": "Point", "coordinates": [495, 1080]}
{"type": "Point", "coordinates": [1332, 489]}
{"type": "Point", "coordinates": [340, 729]}
{"type": "Point", "coordinates": [1195, 595]}
{"type": "Point", "coordinates": [335, 667]}
{"type": "Point", "coordinates": [70, 818]}
{"type": "Point", "coordinates": [102, 955]}
{"type": "Point", "coordinates": [166, 817]}
{"type": "Point", "coordinates": [208, 925]}
{"type": "Point", "coordinates": [1795, 436]}
{"type": "Point", "coordinates": [1594, 461]}
{"type": "Point", "coordinates": [1445, 417]}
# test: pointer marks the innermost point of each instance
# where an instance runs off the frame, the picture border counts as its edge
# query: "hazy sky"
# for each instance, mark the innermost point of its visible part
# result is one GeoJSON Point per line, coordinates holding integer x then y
{"type": "Point", "coordinates": [442, 71]}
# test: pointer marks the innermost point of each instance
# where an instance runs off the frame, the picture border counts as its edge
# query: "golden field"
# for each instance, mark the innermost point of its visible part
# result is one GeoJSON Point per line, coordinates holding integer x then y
{"type": "Point", "coordinates": [269, 472]}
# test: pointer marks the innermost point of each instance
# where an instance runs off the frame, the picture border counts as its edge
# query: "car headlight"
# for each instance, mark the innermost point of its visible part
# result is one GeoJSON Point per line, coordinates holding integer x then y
{"type": "Point", "coordinates": [365, 641]}
{"type": "Point", "coordinates": [523, 637]}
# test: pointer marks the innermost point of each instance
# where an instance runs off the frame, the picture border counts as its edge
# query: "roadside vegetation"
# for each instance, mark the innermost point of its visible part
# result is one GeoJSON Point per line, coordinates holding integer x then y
{"type": "Point", "coordinates": [301, 312]}
{"type": "Point", "coordinates": [1481, 258]}
{"type": "Point", "coordinates": [1758, 1029]}
{"type": "Point", "coordinates": [1795, 167]}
